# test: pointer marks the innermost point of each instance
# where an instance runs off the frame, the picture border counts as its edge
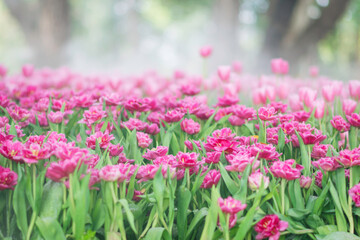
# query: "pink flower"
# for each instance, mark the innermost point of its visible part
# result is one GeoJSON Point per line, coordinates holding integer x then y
{"type": "Point", "coordinates": [328, 92]}
{"type": "Point", "coordinates": [212, 157]}
{"type": "Point", "coordinates": [18, 113]}
{"type": "Point", "coordinates": [301, 116]}
{"type": "Point", "coordinates": [354, 119]}
{"type": "Point", "coordinates": [227, 100]}
{"type": "Point", "coordinates": [93, 115]}
{"type": "Point", "coordinates": [230, 205]}
{"type": "Point", "coordinates": [173, 116]}
{"type": "Point", "coordinates": [284, 169]}
{"type": "Point", "coordinates": [270, 227]}
{"type": "Point", "coordinates": [212, 178]}
{"type": "Point", "coordinates": [237, 67]}
{"type": "Point", "coordinates": [140, 104]}
{"type": "Point", "coordinates": [3, 71]}
{"type": "Point", "coordinates": [146, 172]}
{"type": "Point", "coordinates": [340, 124]}
{"type": "Point", "coordinates": [349, 106]}
{"type": "Point", "coordinates": [153, 129]}
{"type": "Point", "coordinates": [224, 73]}
{"type": "Point", "coordinates": [135, 123]}
{"type": "Point", "coordinates": [143, 139]}
{"type": "Point", "coordinates": [35, 152]}
{"type": "Point", "coordinates": [206, 51]}
{"type": "Point", "coordinates": [319, 106]}
{"type": "Point", "coordinates": [115, 150]}
{"type": "Point", "coordinates": [110, 173]}
{"type": "Point", "coordinates": [61, 170]}
{"type": "Point", "coordinates": [354, 88]}
{"type": "Point", "coordinates": [314, 71]}
{"type": "Point", "coordinates": [312, 138]}
{"type": "Point", "coordinates": [27, 70]}
{"type": "Point", "coordinates": [318, 178]}
{"type": "Point", "coordinates": [187, 160]}
{"type": "Point", "coordinates": [264, 151]}
{"type": "Point", "coordinates": [155, 152]}
{"type": "Point", "coordinates": [354, 193]}
{"type": "Point", "coordinates": [102, 138]}
{"type": "Point", "coordinates": [255, 179]}
{"type": "Point", "coordinates": [327, 164]}
{"type": "Point", "coordinates": [12, 150]}
{"type": "Point", "coordinates": [190, 126]}
{"type": "Point", "coordinates": [56, 117]}
{"type": "Point", "coordinates": [236, 121]}
{"type": "Point", "coordinates": [308, 96]}
{"type": "Point", "coordinates": [349, 158]}
{"type": "Point", "coordinates": [305, 182]}
{"type": "Point", "coordinates": [267, 114]}
{"type": "Point", "coordinates": [319, 150]}
{"type": "Point", "coordinates": [189, 89]}
{"type": "Point", "coordinates": [8, 178]}
{"type": "Point", "coordinates": [279, 66]}
{"type": "Point", "coordinates": [240, 161]}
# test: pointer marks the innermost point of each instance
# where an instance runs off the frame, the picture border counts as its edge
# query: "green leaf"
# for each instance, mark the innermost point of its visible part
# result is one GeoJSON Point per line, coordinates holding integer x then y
{"type": "Point", "coordinates": [326, 229]}
{"type": "Point", "coordinates": [50, 229]}
{"type": "Point", "coordinates": [298, 214]}
{"type": "Point", "coordinates": [320, 200]}
{"type": "Point", "coordinates": [199, 215]}
{"type": "Point", "coordinates": [230, 184]}
{"type": "Point", "coordinates": [340, 218]}
{"type": "Point", "coordinates": [129, 215]}
{"type": "Point", "coordinates": [174, 144]}
{"type": "Point", "coordinates": [157, 233]}
{"type": "Point", "coordinates": [52, 200]}
{"type": "Point", "coordinates": [19, 204]}
{"type": "Point", "coordinates": [184, 198]}
{"type": "Point", "coordinates": [211, 218]}
{"type": "Point", "coordinates": [305, 161]}
{"type": "Point", "coordinates": [281, 140]}
{"type": "Point", "coordinates": [159, 190]}
{"type": "Point", "coordinates": [341, 236]}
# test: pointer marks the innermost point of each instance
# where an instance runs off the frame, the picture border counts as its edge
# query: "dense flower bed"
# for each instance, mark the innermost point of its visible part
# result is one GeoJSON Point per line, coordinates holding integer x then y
{"type": "Point", "coordinates": [97, 157]}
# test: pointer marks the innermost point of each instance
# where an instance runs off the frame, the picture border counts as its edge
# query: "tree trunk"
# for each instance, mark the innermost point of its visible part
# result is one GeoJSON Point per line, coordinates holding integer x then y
{"type": "Point", "coordinates": [225, 41]}
{"type": "Point", "coordinates": [46, 26]}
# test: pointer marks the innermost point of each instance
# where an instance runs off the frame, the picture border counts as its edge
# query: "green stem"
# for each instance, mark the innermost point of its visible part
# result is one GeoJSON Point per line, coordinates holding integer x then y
{"type": "Point", "coordinates": [283, 186]}
{"type": "Point", "coordinates": [227, 231]}
{"type": "Point", "coordinates": [72, 202]}
{"type": "Point", "coordinates": [64, 200]}
{"type": "Point", "coordinates": [351, 218]}
{"type": "Point", "coordinates": [34, 213]}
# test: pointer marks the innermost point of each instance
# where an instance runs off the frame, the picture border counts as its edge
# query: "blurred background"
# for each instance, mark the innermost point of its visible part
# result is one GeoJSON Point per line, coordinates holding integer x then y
{"type": "Point", "coordinates": [131, 36]}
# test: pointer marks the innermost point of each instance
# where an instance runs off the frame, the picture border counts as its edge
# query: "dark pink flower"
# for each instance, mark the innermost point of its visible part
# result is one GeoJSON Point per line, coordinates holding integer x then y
{"type": "Point", "coordinates": [115, 150]}
{"type": "Point", "coordinates": [230, 205]}
{"type": "Point", "coordinates": [140, 104]}
{"type": "Point", "coordinates": [12, 150]}
{"type": "Point", "coordinates": [187, 160]}
{"type": "Point", "coordinates": [212, 157]}
{"type": "Point", "coordinates": [134, 123]}
{"type": "Point", "coordinates": [56, 117]}
{"type": "Point", "coordinates": [354, 119]}
{"type": "Point", "coordinates": [61, 170]}
{"type": "Point", "coordinates": [146, 172]}
{"type": "Point", "coordinates": [34, 152]}
{"type": "Point", "coordinates": [354, 193]}
{"type": "Point", "coordinates": [264, 151]}
{"type": "Point", "coordinates": [319, 150]}
{"type": "Point", "coordinates": [8, 178]}
{"type": "Point", "coordinates": [212, 178]}
{"type": "Point", "coordinates": [349, 158]}
{"type": "Point", "coordinates": [267, 114]}
{"type": "Point", "coordinates": [102, 138]}
{"type": "Point", "coordinates": [240, 161]}
{"type": "Point", "coordinates": [93, 115]}
{"type": "Point", "coordinates": [190, 126]}
{"type": "Point", "coordinates": [285, 169]}
{"type": "Point", "coordinates": [340, 124]}
{"type": "Point", "coordinates": [327, 164]}
{"type": "Point", "coordinates": [173, 116]}
{"type": "Point", "coordinates": [312, 138]}
{"type": "Point", "coordinates": [155, 152]}
{"type": "Point", "coordinates": [305, 182]}
{"type": "Point", "coordinates": [143, 139]}
{"type": "Point", "coordinates": [270, 227]}
{"type": "Point", "coordinates": [189, 89]}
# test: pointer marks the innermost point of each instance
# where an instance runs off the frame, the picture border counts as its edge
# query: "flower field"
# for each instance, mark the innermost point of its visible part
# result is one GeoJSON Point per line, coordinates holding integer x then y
{"type": "Point", "coordinates": [222, 156]}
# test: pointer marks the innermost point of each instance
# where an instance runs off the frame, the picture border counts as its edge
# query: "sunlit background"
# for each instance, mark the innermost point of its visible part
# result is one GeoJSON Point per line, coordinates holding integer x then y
{"type": "Point", "coordinates": [130, 36]}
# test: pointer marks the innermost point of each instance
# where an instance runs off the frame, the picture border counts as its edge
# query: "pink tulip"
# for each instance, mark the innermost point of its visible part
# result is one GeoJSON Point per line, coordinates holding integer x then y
{"type": "Point", "coordinates": [314, 71]}
{"type": "Point", "coordinates": [134, 123]}
{"type": "Point", "coordinates": [264, 151]}
{"type": "Point", "coordinates": [190, 126]}
{"type": "Point", "coordinates": [143, 139]}
{"type": "Point", "coordinates": [56, 117]}
{"type": "Point", "coordinates": [3, 71]}
{"type": "Point", "coordinates": [319, 106]}
{"type": "Point", "coordinates": [326, 163]}
{"type": "Point", "coordinates": [349, 158]}
{"type": "Point", "coordinates": [224, 73]}
{"type": "Point", "coordinates": [349, 106]}
{"type": "Point", "coordinates": [354, 89]}
{"type": "Point", "coordinates": [305, 182]}
{"type": "Point", "coordinates": [187, 160]}
{"type": "Point", "coordinates": [240, 161]}
{"type": "Point", "coordinates": [340, 124]}
{"type": "Point", "coordinates": [110, 173]}
{"type": "Point", "coordinates": [155, 152]}
{"type": "Point", "coordinates": [146, 172]}
{"type": "Point", "coordinates": [27, 70]}
{"type": "Point", "coordinates": [61, 170]}
{"type": "Point", "coordinates": [211, 179]}
{"type": "Point", "coordinates": [173, 116]}
{"type": "Point", "coordinates": [328, 92]}
{"type": "Point", "coordinates": [319, 150]}
{"type": "Point", "coordinates": [256, 179]}
{"type": "Point", "coordinates": [230, 205]}
{"type": "Point", "coordinates": [284, 169]}
{"type": "Point", "coordinates": [354, 119]}
{"type": "Point", "coordinates": [237, 67]}
{"type": "Point", "coordinates": [212, 157]}
{"type": "Point", "coordinates": [8, 178]}
{"type": "Point", "coordinates": [308, 96]}
{"type": "Point", "coordinates": [354, 193]}
{"type": "Point", "coordinates": [206, 51]}
{"type": "Point", "coordinates": [279, 66]}
{"type": "Point", "coordinates": [267, 113]}
{"type": "Point", "coordinates": [270, 227]}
